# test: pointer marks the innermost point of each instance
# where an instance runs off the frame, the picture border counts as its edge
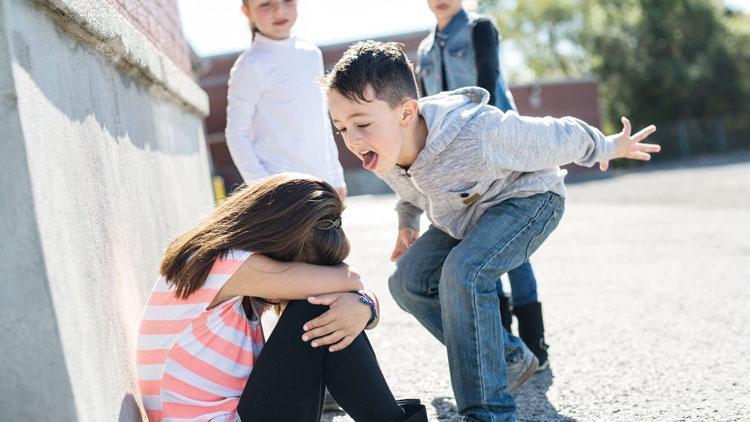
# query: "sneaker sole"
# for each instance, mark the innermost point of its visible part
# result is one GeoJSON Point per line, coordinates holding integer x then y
{"type": "Point", "coordinates": [526, 375]}
{"type": "Point", "coordinates": [543, 367]}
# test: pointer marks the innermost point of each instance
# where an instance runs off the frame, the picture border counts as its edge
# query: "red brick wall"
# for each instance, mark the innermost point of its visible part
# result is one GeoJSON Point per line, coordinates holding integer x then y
{"type": "Point", "coordinates": [557, 99]}
{"type": "Point", "coordinates": [159, 21]}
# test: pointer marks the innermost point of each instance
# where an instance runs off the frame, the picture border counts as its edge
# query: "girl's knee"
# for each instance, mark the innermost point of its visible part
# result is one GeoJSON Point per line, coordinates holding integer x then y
{"type": "Point", "coordinates": [302, 310]}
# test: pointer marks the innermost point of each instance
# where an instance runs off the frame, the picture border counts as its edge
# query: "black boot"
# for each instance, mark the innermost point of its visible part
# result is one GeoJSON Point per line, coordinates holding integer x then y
{"type": "Point", "coordinates": [505, 316]}
{"type": "Point", "coordinates": [415, 411]}
{"type": "Point", "coordinates": [531, 331]}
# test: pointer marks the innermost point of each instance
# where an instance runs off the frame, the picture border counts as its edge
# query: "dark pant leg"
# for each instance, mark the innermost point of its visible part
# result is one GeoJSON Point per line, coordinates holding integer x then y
{"type": "Point", "coordinates": [522, 285]}
{"type": "Point", "coordinates": [354, 379]}
{"type": "Point", "coordinates": [287, 380]}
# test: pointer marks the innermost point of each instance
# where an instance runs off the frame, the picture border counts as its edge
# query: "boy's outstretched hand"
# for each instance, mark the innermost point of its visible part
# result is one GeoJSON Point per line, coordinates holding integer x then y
{"type": "Point", "coordinates": [630, 146]}
{"type": "Point", "coordinates": [406, 236]}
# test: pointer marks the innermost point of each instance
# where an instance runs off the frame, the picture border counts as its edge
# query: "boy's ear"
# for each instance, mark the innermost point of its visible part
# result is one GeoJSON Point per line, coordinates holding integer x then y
{"type": "Point", "coordinates": [245, 10]}
{"type": "Point", "coordinates": [409, 111]}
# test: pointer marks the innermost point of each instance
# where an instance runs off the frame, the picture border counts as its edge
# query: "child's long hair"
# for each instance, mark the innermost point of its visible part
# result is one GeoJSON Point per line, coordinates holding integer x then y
{"type": "Point", "coordinates": [253, 29]}
{"type": "Point", "coordinates": [287, 217]}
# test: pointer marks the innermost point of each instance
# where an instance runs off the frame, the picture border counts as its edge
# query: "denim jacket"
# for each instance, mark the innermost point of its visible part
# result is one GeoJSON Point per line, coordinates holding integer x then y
{"type": "Point", "coordinates": [454, 46]}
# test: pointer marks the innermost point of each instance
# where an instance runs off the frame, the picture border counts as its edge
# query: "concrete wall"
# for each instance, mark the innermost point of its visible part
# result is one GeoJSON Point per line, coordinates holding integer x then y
{"type": "Point", "coordinates": [102, 162]}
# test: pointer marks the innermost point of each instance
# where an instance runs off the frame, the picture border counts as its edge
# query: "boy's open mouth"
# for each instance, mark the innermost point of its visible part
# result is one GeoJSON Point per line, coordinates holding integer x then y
{"type": "Point", "coordinates": [369, 160]}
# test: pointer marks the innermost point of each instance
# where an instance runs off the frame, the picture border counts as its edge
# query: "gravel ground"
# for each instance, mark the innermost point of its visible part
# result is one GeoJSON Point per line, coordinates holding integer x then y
{"type": "Point", "coordinates": [645, 285]}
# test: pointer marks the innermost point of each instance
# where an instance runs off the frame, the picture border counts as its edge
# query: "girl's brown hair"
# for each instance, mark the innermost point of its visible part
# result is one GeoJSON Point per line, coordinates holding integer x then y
{"type": "Point", "coordinates": [253, 29]}
{"type": "Point", "coordinates": [287, 217]}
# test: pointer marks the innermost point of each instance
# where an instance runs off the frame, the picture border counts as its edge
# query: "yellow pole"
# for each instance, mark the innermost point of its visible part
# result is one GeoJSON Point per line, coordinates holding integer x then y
{"type": "Point", "coordinates": [220, 192]}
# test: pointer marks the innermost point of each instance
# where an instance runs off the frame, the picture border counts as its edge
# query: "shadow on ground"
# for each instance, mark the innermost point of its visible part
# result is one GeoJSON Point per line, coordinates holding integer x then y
{"type": "Point", "coordinates": [532, 404]}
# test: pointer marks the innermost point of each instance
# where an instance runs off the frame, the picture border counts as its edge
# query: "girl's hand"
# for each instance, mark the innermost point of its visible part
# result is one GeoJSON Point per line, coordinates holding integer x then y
{"type": "Point", "coordinates": [340, 324]}
{"type": "Point", "coordinates": [406, 236]}
{"type": "Point", "coordinates": [631, 146]}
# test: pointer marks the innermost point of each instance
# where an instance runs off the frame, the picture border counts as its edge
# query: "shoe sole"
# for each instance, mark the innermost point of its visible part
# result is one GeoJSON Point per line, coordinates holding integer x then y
{"type": "Point", "coordinates": [526, 375]}
{"type": "Point", "coordinates": [542, 368]}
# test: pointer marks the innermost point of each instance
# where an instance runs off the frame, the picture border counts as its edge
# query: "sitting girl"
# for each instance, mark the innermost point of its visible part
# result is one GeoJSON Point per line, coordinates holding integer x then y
{"type": "Point", "coordinates": [278, 242]}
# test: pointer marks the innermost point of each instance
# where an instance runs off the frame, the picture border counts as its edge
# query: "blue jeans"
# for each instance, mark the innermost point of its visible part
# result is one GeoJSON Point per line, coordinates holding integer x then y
{"type": "Point", "coordinates": [522, 285]}
{"type": "Point", "coordinates": [449, 285]}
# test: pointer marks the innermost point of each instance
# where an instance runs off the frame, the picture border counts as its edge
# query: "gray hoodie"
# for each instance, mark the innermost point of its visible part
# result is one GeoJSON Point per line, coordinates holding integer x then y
{"type": "Point", "coordinates": [476, 156]}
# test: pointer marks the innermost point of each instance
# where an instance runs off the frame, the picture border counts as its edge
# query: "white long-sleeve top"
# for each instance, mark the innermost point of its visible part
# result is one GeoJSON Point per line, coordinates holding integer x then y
{"type": "Point", "coordinates": [277, 115]}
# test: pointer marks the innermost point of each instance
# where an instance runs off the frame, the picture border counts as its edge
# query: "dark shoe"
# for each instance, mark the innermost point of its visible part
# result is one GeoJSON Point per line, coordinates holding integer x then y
{"type": "Point", "coordinates": [505, 316]}
{"type": "Point", "coordinates": [414, 409]}
{"type": "Point", "coordinates": [531, 331]}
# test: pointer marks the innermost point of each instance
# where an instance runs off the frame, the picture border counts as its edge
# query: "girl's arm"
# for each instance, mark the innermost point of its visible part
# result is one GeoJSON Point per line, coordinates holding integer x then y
{"type": "Point", "coordinates": [242, 99]}
{"type": "Point", "coordinates": [263, 277]}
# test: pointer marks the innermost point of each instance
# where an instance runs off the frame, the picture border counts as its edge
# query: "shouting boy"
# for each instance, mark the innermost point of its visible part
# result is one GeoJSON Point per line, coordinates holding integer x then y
{"type": "Point", "coordinates": [490, 184]}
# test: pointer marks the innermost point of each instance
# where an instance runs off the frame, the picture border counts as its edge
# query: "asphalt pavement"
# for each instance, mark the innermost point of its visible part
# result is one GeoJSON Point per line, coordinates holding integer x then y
{"type": "Point", "coordinates": [646, 294]}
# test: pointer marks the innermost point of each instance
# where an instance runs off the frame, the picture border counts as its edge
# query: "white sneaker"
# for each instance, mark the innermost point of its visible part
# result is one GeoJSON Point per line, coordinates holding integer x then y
{"type": "Point", "coordinates": [521, 370]}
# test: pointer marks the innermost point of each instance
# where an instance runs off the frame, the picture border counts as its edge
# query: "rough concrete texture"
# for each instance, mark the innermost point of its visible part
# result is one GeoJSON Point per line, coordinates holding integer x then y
{"type": "Point", "coordinates": [645, 293]}
{"type": "Point", "coordinates": [101, 26]}
{"type": "Point", "coordinates": [98, 174]}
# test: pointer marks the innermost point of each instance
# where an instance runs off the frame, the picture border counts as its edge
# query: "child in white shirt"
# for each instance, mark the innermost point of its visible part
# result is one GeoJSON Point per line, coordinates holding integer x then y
{"type": "Point", "coordinates": [277, 117]}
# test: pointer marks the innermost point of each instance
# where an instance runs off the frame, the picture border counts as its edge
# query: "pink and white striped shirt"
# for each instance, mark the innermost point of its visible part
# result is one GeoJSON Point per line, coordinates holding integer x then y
{"type": "Point", "coordinates": [193, 362]}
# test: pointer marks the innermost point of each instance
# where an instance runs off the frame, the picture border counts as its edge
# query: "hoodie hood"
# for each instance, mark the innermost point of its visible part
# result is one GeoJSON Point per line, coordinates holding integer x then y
{"type": "Point", "coordinates": [445, 115]}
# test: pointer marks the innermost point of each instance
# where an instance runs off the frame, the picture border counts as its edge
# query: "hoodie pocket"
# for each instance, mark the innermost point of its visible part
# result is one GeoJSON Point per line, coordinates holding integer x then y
{"type": "Point", "coordinates": [466, 194]}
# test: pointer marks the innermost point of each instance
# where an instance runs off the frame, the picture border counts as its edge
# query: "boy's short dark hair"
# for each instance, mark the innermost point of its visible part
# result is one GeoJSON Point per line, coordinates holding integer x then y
{"type": "Point", "coordinates": [382, 65]}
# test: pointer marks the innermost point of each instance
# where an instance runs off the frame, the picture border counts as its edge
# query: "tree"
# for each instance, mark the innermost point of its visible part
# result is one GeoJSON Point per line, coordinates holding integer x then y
{"type": "Point", "coordinates": [547, 34]}
{"type": "Point", "coordinates": [664, 60]}
{"type": "Point", "coordinates": [656, 60]}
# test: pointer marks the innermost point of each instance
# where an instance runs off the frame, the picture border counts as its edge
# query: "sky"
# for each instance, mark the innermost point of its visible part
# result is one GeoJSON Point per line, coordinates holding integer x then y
{"type": "Point", "coordinates": [738, 4]}
{"type": "Point", "coordinates": [221, 27]}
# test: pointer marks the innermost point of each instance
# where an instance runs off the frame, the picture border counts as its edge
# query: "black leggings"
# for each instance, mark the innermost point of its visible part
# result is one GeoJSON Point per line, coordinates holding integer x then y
{"type": "Point", "coordinates": [288, 379]}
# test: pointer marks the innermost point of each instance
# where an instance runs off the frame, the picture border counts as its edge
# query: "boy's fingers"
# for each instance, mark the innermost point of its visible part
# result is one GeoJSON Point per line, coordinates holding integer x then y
{"type": "Point", "coordinates": [649, 147]}
{"type": "Point", "coordinates": [603, 165]}
{"type": "Point", "coordinates": [639, 155]}
{"type": "Point", "coordinates": [394, 255]}
{"type": "Point", "coordinates": [397, 252]}
{"type": "Point", "coordinates": [644, 133]}
{"type": "Point", "coordinates": [625, 126]}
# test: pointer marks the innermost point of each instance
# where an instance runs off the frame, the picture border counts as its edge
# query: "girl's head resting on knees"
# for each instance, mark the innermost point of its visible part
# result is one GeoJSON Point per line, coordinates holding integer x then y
{"type": "Point", "coordinates": [272, 18]}
{"type": "Point", "coordinates": [288, 217]}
